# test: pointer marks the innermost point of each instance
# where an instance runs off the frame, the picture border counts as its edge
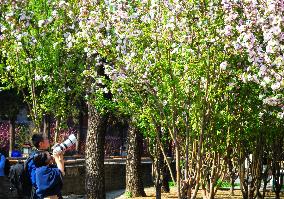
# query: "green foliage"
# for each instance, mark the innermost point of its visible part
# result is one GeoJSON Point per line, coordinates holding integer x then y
{"type": "Point", "coordinates": [128, 194]}
{"type": "Point", "coordinates": [226, 184]}
{"type": "Point", "coordinates": [22, 135]}
{"type": "Point", "coordinates": [223, 184]}
{"type": "Point", "coordinates": [171, 184]}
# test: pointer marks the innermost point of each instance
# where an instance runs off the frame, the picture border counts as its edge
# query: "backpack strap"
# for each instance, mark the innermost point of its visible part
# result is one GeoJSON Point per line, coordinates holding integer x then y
{"type": "Point", "coordinates": [28, 160]}
{"type": "Point", "coordinates": [31, 157]}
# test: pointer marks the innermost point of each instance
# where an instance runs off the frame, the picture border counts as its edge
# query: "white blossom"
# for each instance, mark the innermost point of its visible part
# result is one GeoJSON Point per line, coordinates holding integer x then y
{"type": "Point", "coordinates": [8, 68]}
{"type": "Point", "coordinates": [105, 90]}
{"type": "Point", "coordinates": [41, 23]}
{"type": "Point", "coordinates": [37, 77]}
{"type": "Point", "coordinates": [275, 86]}
{"type": "Point", "coordinates": [223, 65]}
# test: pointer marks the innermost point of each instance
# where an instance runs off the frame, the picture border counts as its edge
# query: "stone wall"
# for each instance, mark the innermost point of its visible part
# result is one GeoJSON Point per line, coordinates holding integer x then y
{"type": "Point", "coordinates": [114, 176]}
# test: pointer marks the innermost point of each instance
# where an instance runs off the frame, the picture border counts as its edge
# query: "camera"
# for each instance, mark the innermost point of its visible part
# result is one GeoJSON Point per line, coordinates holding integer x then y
{"type": "Point", "coordinates": [59, 148]}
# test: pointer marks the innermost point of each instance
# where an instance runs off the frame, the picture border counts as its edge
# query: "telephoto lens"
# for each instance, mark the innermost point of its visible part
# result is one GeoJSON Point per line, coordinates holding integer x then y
{"type": "Point", "coordinates": [71, 140]}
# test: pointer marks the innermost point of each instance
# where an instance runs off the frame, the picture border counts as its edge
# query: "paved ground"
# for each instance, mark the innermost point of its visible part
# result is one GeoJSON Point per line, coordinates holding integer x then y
{"type": "Point", "coordinates": [5, 188]}
{"type": "Point", "coordinates": [119, 194]}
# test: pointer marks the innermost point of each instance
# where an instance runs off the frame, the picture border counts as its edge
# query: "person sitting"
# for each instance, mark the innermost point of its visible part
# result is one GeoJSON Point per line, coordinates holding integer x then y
{"type": "Point", "coordinates": [48, 178]}
{"type": "Point", "coordinates": [16, 153]}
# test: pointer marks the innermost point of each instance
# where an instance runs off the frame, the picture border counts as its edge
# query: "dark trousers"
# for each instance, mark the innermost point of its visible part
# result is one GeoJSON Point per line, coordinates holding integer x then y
{"type": "Point", "coordinates": [33, 194]}
{"type": "Point", "coordinates": [4, 187]}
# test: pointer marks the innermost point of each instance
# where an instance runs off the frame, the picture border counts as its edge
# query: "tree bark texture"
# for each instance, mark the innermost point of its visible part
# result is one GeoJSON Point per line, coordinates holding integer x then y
{"type": "Point", "coordinates": [158, 166]}
{"type": "Point", "coordinates": [48, 128]}
{"type": "Point", "coordinates": [243, 180]}
{"type": "Point", "coordinates": [165, 178]}
{"type": "Point", "coordinates": [80, 132]}
{"type": "Point", "coordinates": [158, 181]}
{"type": "Point", "coordinates": [44, 128]}
{"type": "Point", "coordinates": [163, 151]}
{"type": "Point", "coordinates": [256, 170]}
{"type": "Point", "coordinates": [12, 135]}
{"type": "Point", "coordinates": [95, 176]}
{"type": "Point", "coordinates": [57, 129]}
{"type": "Point", "coordinates": [277, 151]}
{"type": "Point", "coordinates": [134, 182]}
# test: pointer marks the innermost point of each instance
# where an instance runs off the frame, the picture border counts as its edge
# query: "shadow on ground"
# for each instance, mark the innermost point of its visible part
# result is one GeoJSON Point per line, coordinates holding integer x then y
{"type": "Point", "coordinates": [109, 195]}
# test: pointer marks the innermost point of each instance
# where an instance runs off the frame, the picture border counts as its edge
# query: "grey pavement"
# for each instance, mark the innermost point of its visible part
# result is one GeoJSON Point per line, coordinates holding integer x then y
{"type": "Point", "coordinates": [109, 195]}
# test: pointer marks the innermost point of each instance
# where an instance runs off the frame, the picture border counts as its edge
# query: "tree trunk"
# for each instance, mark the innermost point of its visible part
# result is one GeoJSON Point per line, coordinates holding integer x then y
{"type": "Point", "coordinates": [12, 135]}
{"type": "Point", "coordinates": [165, 171]}
{"type": "Point", "coordinates": [178, 173]}
{"type": "Point", "coordinates": [80, 132]}
{"type": "Point", "coordinates": [48, 120]}
{"type": "Point", "coordinates": [95, 176]}
{"type": "Point", "coordinates": [134, 183]}
{"type": "Point", "coordinates": [265, 180]}
{"type": "Point", "coordinates": [256, 169]}
{"type": "Point", "coordinates": [45, 125]}
{"type": "Point", "coordinates": [159, 164]}
{"type": "Point", "coordinates": [243, 180]}
{"type": "Point", "coordinates": [158, 189]}
{"type": "Point", "coordinates": [158, 180]}
{"type": "Point", "coordinates": [165, 178]}
{"type": "Point", "coordinates": [276, 166]}
{"type": "Point", "coordinates": [231, 169]}
{"type": "Point", "coordinates": [199, 159]}
{"type": "Point", "coordinates": [57, 129]}
{"type": "Point", "coordinates": [232, 189]}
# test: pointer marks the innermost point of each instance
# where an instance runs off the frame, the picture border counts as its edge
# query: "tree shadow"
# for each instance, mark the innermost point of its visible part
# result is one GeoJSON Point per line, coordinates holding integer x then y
{"type": "Point", "coordinates": [114, 194]}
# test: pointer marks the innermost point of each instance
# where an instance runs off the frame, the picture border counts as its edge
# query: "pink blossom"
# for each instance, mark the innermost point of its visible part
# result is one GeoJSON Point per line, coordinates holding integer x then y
{"type": "Point", "coordinates": [228, 30]}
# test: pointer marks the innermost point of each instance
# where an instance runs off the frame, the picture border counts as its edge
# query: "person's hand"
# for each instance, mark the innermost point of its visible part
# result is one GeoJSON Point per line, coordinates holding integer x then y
{"type": "Point", "coordinates": [52, 161]}
{"type": "Point", "coordinates": [58, 156]}
{"type": "Point", "coordinates": [54, 146]}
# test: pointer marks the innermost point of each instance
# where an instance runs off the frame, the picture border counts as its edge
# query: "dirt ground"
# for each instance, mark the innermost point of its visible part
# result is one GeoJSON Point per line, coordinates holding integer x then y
{"type": "Point", "coordinates": [221, 194]}
{"type": "Point", "coordinates": [150, 192]}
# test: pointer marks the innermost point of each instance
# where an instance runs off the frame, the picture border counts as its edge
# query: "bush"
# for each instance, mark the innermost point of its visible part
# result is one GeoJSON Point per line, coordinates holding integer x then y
{"type": "Point", "coordinates": [223, 184]}
{"type": "Point", "coordinates": [171, 184]}
{"type": "Point", "coordinates": [128, 194]}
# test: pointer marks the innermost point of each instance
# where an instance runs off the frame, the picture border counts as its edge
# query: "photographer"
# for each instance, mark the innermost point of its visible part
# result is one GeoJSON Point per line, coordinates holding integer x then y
{"type": "Point", "coordinates": [41, 144]}
{"type": "Point", "coordinates": [49, 178]}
